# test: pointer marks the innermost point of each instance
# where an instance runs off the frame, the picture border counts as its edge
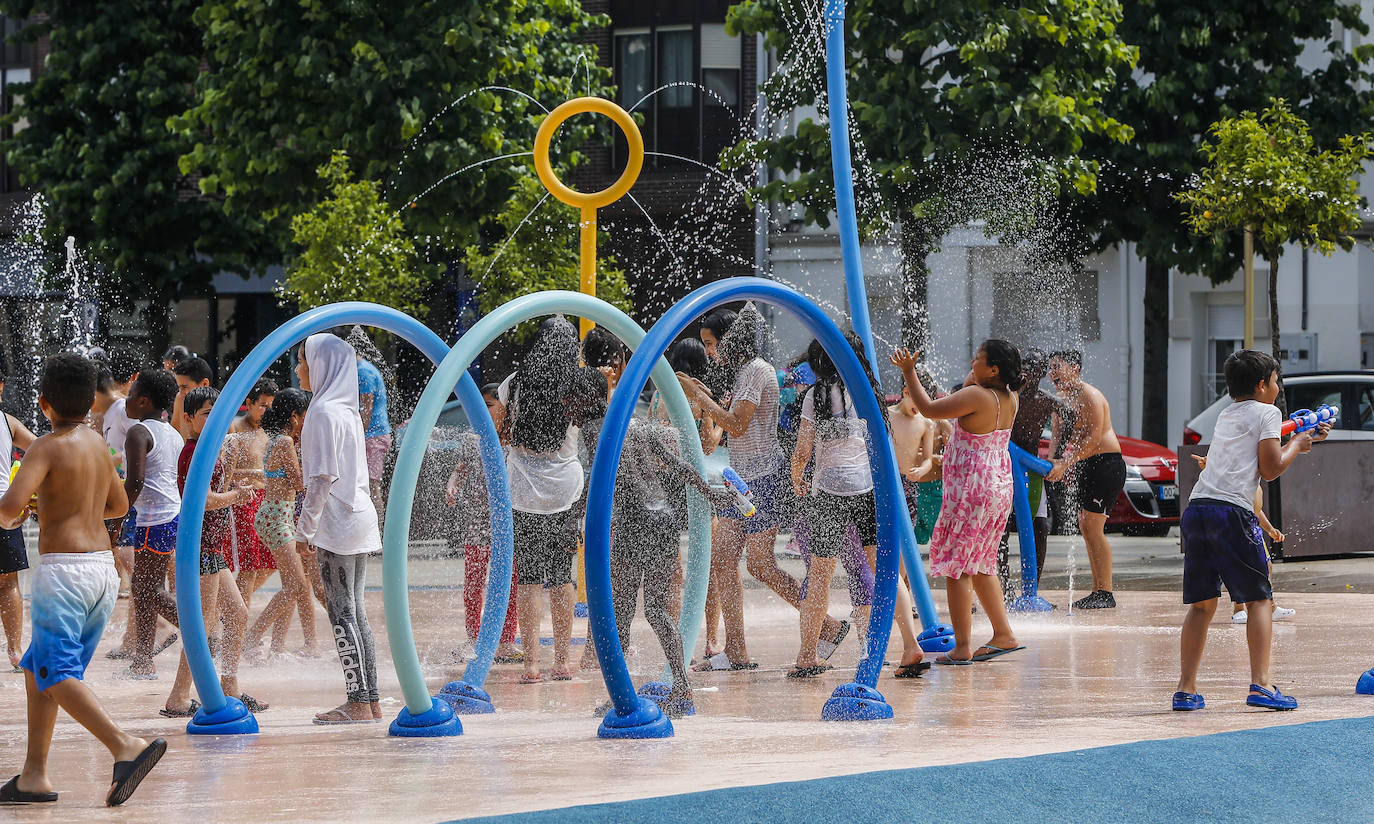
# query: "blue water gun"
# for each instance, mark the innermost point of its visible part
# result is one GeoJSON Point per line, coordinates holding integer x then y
{"type": "Point", "coordinates": [1305, 420]}
{"type": "Point", "coordinates": [736, 484]}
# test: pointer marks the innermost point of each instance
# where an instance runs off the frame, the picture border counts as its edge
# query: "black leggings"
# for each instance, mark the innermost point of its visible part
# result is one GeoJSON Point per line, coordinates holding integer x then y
{"type": "Point", "coordinates": [644, 555]}
{"type": "Point", "coordinates": [344, 578]}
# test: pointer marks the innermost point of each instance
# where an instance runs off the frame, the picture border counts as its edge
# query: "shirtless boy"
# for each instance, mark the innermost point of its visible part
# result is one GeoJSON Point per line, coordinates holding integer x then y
{"type": "Point", "coordinates": [73, 478]}
{"type": "Point", "coordinates": [1094, 454]}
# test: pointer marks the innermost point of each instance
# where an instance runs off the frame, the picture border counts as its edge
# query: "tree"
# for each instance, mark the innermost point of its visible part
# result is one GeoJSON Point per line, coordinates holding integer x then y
{"type": "Point", "coordinates": [537, 250]}
{"type": "Point", "coordinates": [288, 84]}
{"type": "Point", "coordinates": [353, 248]}
{"type": "Point", "coordinates": [930, 85]}
{"type": "Point", "coordinates": [1201, 63]}
{"type": "Point", "coordinates": [1264, 172]}
{"type": "Point", "coordinates": [94, 141]}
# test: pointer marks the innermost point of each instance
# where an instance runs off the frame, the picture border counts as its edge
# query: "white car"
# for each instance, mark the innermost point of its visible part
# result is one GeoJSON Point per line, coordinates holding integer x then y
{"type": "Point", "coordinates": [1353, 392]}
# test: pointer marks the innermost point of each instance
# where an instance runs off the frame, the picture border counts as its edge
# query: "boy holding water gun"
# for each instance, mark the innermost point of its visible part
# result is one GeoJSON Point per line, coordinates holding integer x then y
{"type": "Point", "coordinates": [1222, 542]}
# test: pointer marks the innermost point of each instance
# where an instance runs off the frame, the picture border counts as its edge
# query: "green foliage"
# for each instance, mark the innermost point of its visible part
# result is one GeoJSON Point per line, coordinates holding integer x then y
{"type": "Point", "coordinates": [289, 83]}
{"type": "Point", "coordinates": [96, 145]}
{"type": "Point", "coordinates": [1265, 171]}
{"type": "Point", "coordinates": [353, 247]}
{"type": "Point", "coordinates": [537, 249]}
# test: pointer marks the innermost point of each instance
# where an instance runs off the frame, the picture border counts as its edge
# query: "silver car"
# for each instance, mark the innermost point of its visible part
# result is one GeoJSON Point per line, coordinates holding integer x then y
{"type": "Point", "coordinates": [1353, 392]}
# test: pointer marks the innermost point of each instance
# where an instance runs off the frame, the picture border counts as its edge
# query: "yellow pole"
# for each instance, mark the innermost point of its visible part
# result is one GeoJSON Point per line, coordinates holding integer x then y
{"type": "Point", "coordinates": [1249, 288]}
{"type": "Point", "coordinates": [588, 249]}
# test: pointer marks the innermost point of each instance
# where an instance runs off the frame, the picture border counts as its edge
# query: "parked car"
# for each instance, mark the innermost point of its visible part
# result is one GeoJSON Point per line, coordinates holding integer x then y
{"type": "Point", "coordinates": [1148, 505]}
{"type": "Point", "coordinates": [1353, 392]}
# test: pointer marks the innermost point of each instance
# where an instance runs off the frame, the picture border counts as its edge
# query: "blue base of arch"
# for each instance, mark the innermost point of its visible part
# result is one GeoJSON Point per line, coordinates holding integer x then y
{"type": "Point", "coordinates": [1365, 686]}
{"type": "Point", "coordinates": [466, 699]}
{"type": "Point", "coordinates": [436, 722]}
{"type": "Point", "coordinates": [647, 721]}
{"type": "Point", "coordinates": [656, 691]}
{"type": "Point", "coordinates": [856, 702]}
{"type": "Point", "coordinates": [1031, 603]}
{"type": "Point", "coordinates": [231, 719]}
{"type": "Point", "coordinates": [939, 638]}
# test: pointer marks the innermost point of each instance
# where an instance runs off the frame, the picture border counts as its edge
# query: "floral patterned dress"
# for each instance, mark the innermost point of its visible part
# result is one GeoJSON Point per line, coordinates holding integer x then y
{"type": "Point", "coordinates": [976, 503]}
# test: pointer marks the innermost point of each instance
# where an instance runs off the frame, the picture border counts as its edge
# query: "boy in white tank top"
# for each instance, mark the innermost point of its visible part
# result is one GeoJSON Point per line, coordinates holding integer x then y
{"type": "Point", "coordinates": [151, 450]}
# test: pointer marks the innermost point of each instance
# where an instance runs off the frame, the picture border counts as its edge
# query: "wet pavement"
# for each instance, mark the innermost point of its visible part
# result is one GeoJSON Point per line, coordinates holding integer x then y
{"type": "Point", "coordinates": [1090, 679]}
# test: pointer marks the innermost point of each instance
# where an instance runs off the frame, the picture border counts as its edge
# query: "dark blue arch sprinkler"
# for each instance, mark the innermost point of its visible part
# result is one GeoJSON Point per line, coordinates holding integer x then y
{"type": "Point", "coordinates": [219, 714]}
{"type": "Point", "coordinates": [636, 717]}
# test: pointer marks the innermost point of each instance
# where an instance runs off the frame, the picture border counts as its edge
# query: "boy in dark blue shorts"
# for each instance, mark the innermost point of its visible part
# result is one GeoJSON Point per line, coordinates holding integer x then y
{"type": "Point", "coordinates": [1222, 542]}
{"type": "Point", "coordinates": [72, 476]}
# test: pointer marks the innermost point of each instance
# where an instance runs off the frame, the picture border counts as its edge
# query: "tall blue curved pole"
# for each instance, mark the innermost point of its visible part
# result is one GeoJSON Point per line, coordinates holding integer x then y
{"type": "Point", "coordinates": [219, 714]}
{"type": "Point", "coordinates": [1021, 463]}
{"type": "Point", "coordinates": [856, 700]}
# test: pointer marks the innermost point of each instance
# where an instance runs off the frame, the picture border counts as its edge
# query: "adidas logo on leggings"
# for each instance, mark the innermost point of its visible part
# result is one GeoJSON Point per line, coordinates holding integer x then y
{"type": "Point", "coordinates": [348, 656]}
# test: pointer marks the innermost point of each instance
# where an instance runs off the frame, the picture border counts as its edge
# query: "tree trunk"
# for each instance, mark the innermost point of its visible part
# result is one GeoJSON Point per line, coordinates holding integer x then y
{"type": "Point", "coordinates": [915, 287]}
{"type": "Point", "coordinates": [1273, 257]}
{"type": "Point", "coordinates": [158, 316]}
{"type": "Point", "coordinates": [1155, 389]}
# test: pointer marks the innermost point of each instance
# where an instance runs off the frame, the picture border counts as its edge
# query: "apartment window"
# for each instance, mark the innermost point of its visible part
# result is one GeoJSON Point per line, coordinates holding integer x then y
{"type": "Point", "coordinates": [693, 71]}
{"type": "Point", "coordinates": [1225, 335]}
{"type": "Point", "coordinates": [1060, 311]}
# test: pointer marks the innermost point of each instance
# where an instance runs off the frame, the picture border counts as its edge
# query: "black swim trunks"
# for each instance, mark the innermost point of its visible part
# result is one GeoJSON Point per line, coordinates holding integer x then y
{"type": "Point", "coordinates": [13, 554]}
{"type": "Point", "coordinates": [1100, 481]}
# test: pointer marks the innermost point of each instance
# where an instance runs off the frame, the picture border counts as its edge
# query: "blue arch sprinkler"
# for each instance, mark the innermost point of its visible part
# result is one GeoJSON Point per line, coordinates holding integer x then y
{"type": "Point", "coordinates": [634, 716]}
{"type": "Point", "coordinates": [220, 714]}
{"type": "Point", "coordinates": [406, 475]}
{"type": "Point", "coordinates": [934, 637]}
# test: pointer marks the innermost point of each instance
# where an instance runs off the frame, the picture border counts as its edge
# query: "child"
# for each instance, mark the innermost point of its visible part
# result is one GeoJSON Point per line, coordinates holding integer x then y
{"type": "Point", "coordinates": [219, 596]}
{"type": "Point", "coordinates": [843, 496]}
{"type": "Point", "coordinates": [338, 519]}
{"type": "Point", "coordinates": [977, 492]}
{"type": "Point", "coordinates": [1221, 536]}
{"type": "Point", "coordinates": [245, 451]}
{"type": "Point", "coordinates": [274, 524]}
{"type": "Point", "coordinates": [190, 373]}
{"type": "Point", "coordinates": [72, 475]}
{"type": "Point", "coordinates": [14, 556]}
{"type": "Point", "coordinates": [151, 450]}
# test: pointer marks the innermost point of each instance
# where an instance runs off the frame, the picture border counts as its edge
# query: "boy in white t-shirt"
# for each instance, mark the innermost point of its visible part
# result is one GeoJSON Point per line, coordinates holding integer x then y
{"type": "Point", "coordinates": [1221, 536]}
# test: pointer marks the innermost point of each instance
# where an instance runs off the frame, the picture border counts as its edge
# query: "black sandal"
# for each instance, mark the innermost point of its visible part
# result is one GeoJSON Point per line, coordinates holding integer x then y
{"type": "Point", "coordinates": [252, 704]}
{"type": "Point", "coordinates": [808, 672]}
{"type": "Point", "coordinates": [911, 670]}
{"type": "Point", "coordinates": [129, 774]}
{"type": "Point", "coordinates": [189, 712]}
{"type": "Point", "coordinates": [11, 794]}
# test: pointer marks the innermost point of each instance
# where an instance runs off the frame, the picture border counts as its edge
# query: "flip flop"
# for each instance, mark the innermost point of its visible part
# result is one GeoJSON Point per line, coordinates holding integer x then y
{"type": "Point", "coordinates": [911, 670]}
{"type": "Point", "coordinates": [11, 794]}
{"type": "Point", "coordinates": [187, 713]}
{"type": "Point", "coordinates": [341, 720]}
{"type": "Point", "coordinates": [720, 662]}
{"type": "Point", "coordinates": [526, 678]}
{"type": "Point", "coordinates": [997, 652]}
{"type": "Point", "coordinates": [509, 659]}
{"type": "Point", "coordinates": [807, 672]}
{"type": "Point", "coordinates": [252, 704]}
{"type": "Point", "coordinates": [952, 662]}
{"type": "Point", "coordinates": [562, 676]}
{"type": "Point", "coordinates": [166, 642]}
{"type": "Point", "coordinates": [825, 649]}
{"type": "Point", "coordinates": [129, 774]}
{"type": "Point", "coordinates": [118, 654]}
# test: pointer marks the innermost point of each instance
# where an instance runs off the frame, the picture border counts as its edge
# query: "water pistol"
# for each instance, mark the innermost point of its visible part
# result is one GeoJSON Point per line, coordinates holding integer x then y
{"type": "Point", "coordinates": [1305, 420]}
{"type": "Point", "coordinates": [14, 470]}
{"type": "Point", "coordinates": [736, 485]}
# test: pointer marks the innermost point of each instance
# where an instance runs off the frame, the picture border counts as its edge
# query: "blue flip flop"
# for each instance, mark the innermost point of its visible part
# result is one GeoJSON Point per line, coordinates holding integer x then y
{"type": "Point", "coordinates": [952, 662]}
{"type": "Point", "coordinates": [1187, 701]}
{"type": "Point", "coordinates": [1270, 700]}
{"type": "Point", "coordinates": [997, 652]}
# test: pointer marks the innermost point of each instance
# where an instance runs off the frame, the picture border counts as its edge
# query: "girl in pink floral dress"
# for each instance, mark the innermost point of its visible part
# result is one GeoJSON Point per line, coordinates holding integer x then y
{"type": "Point", "coordinates": [977, 492]}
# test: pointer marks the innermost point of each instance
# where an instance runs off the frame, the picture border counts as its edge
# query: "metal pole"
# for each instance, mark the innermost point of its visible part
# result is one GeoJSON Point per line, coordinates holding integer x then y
{"type": "Point", "coordinates": [1249, 288]}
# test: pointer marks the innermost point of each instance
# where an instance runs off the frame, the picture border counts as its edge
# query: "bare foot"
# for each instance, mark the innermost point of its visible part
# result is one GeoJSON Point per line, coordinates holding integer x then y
{"type": "Point", "coordinates": [589, 661]}
{"type": "Point", "coordinates": [28, 784]}
{"type": "Point", "coordinates": [15, 656]}
{"type": "Point", "coordinates": [377, 710]}
{"type": "Point", "coordinates": [348, 712]}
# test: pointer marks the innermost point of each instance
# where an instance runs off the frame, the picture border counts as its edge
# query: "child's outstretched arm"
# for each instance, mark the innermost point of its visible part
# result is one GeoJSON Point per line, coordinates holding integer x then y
{"type": "Point", "coordinates": [14, 506]}
{"type": "Point", "coordinates": [1274, 460]}
{"type": "Point", "coordinates": [956, 405]}
{"type": "Point", "coordinates": [678, 466]}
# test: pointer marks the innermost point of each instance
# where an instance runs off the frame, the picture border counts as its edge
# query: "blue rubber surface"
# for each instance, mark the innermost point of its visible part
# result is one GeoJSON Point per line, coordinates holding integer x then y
{"type": "Point", "coordinates": [1302, 772]}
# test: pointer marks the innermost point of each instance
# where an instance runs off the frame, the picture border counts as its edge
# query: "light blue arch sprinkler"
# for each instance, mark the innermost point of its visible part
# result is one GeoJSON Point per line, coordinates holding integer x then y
{"type": "Point", "coordinates": [220, 714]}
{"type": "Point", "coordinates": [934, 637]}
{"type": "Point", "coordinates": [415, 719]}
{"type": "Point", "coordinates": [634, 716]}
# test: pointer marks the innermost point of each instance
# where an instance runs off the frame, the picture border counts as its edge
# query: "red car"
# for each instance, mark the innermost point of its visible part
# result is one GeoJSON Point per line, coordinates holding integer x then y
{"type": "Point", "coordinates": [1149, 503]}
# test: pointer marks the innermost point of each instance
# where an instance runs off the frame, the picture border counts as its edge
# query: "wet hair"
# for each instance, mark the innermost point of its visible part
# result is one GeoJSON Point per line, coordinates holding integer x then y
{"type": "Point", "coordinates": [1007, 359]}
{"type": "Point", "coordinates": [1069, 356]}
{"type": "Point", "coordinates": [688, 356]}
{"type": "Point", "coordinates": [197, 398]}
{"type": "Point", "coordinates": [602, 348]}
{"type": "Point", "coordinates": [928, 382]}
{"type": "Point", "coordinates": [828, 378]}
{"type": "Point", "coordinates": [1247, 369]}
{"type": "Point", "coordinates": [177, 355]}
{"type": "Point", "coordinates": [264, 386]}
{"type": "Point", "coordinates": [68, 384]}
{"type": "Point", "coordinates": [124, 365]}
{"type": "Point", "coordinates": [1035, 364]}
{"type": "Point", "coordinates": [541, 382]}
{"type": "Point", "coordinates": [491, 390]}
{"type": "Point", "coordinates": [743, 342]}
{"type": "Point", "coordinates": [159, 386]}
{"type": "Point", "coordinates": [196, 369]}
{"type": "Point", "coordinates": [287, 402]}
{"type": "Point", "coordinates": [719, 322]}
{"type": "Point", "coordinates": [587, 394]}
{"type": "Point", "coordinates": [104, 378]}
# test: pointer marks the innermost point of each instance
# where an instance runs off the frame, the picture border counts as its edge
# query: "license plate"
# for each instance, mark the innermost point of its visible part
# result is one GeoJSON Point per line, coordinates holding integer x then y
{"type": "Point", "coordinates": [1168, 492]}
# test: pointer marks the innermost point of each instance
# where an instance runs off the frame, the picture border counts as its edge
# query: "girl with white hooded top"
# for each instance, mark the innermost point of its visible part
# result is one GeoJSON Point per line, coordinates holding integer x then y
{"type": "Point", "coordinates": [338, 519]}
